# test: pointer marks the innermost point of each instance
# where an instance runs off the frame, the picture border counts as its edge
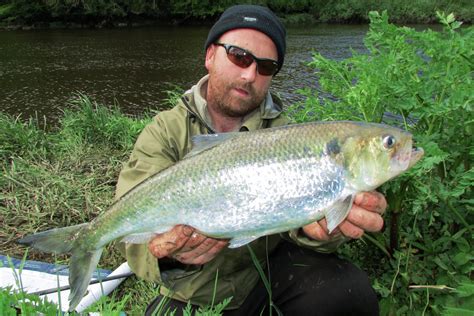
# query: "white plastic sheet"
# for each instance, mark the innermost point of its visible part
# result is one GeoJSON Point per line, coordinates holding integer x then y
{"type": "Point", "coordinates": [43, 279]}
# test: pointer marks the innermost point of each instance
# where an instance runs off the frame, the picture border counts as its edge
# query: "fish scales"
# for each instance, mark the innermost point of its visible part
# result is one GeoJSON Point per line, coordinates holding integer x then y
{"type": "Point", "coordinates": [243, 187]}
{"type": "Point", "coordinates": [230, 181]}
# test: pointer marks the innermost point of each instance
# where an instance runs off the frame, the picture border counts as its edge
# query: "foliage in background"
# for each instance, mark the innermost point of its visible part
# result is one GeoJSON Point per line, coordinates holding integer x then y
{"type": "Point", "coordinates": [423, 82]}
{"type": "Point", "coordinates": [106, 12]}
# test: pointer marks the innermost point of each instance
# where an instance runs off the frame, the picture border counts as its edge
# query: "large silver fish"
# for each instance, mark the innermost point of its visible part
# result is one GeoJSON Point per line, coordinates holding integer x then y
{"type": "Point", "coordinates": [242, 186]}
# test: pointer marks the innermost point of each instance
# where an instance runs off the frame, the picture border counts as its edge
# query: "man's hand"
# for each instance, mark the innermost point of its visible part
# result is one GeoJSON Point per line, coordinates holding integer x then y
{"type": "Point", "coordinates": [185, 245]}
{"type": "Point", "coordinates": [365, 215]}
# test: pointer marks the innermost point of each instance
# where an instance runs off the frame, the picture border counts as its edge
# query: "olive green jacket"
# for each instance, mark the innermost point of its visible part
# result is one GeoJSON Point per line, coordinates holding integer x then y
{"type": "Point", "coordinates": [166, 140]}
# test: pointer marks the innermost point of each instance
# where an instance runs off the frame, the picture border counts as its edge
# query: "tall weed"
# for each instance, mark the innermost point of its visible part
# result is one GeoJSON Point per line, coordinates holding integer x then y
{"type": "Point", "coordinates": [61, 175]}
{"type": "Point", "coordinates": [18, 138]}
{"type": "Point", "coordinates": [87, 123]}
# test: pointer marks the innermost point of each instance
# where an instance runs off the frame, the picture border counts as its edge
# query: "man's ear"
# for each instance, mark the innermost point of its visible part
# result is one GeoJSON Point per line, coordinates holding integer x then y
{"type": "Point", "coordinates": [210, 53]}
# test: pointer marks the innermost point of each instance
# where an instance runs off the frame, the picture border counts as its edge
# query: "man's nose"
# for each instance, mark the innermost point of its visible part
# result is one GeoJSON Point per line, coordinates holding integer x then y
{"type": "Point", "coordinates": [250, 73]}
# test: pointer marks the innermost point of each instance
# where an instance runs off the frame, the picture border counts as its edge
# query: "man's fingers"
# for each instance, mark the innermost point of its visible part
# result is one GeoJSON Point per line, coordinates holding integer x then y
{"type": "Point", "coordinates": [211, 254]}
{"type": "Point", "coordinates": [169, 242]}
{"type": "Point", "coordinates": [200, 249]}
{"type": "Point", "coordinates": [203, 253]}
{"type": "Point", "coordinates": [193, 242]}
{"type": "Point", "coordinates": [372, 201]}
{"type": "Point", "coordinates": [319, 230]}
{"type": "Point", "coordinates": [350, 230]}
{"type": "Point", "coordinates": [364, 219]}
{"type": "Point", "coordinates": [316, 231]}
{"type": "Point", "coordinates": [186, 245]}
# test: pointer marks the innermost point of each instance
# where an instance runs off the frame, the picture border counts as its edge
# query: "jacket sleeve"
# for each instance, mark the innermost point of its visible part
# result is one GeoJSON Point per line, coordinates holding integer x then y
{"type": "Point", "coordinates": [154, 151]}
{"type": "Point", "coordinates": [325, 246]}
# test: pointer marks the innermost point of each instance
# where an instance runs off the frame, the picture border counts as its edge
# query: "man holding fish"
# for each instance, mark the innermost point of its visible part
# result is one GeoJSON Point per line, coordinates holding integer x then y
{"type": "Point", "coordinates": [222, 179]}
{"type": "Point", "coordinates": [244, 50]}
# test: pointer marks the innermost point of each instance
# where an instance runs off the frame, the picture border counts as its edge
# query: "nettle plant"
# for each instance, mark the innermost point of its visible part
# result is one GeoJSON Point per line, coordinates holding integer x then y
{"type": "Point", "coordinates": [423, 82]}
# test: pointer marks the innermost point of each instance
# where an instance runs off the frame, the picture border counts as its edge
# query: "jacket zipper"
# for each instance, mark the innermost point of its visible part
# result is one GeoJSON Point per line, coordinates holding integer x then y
{"type": "Point", "coordinates": [191, 112]}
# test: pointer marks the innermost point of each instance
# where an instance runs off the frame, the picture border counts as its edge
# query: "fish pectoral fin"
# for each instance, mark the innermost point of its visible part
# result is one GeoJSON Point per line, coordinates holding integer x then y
{"type": "Point", "coordinates": [237, 242]}
{"type": "Point", "coordinates": [337, 212]}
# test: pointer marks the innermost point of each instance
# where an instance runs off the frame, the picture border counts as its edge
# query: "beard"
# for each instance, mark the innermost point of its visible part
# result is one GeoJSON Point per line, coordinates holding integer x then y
{"type": "Point", "coordinates": [219, 96]}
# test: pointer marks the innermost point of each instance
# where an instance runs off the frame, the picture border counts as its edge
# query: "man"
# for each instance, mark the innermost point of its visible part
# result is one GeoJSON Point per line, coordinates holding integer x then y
{"type": "Point", "coordinates": [244, 50]}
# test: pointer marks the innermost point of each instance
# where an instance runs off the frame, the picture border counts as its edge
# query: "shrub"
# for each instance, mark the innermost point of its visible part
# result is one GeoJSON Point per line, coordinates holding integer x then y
{"type": "Point", "coordinates": [421, 81]}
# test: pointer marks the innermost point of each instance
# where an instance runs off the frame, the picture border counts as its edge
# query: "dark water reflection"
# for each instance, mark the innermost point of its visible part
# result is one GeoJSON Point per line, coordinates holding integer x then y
{"type": "Point", "coordinates": [41, 69]}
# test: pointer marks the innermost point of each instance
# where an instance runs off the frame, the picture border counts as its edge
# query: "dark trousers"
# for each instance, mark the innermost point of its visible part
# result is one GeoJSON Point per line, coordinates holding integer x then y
{"type": "Point", "coordinates": [305, 282]}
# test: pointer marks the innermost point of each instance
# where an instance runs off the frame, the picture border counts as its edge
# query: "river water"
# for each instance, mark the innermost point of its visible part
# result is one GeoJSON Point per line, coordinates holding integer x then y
{"type": "Point", "coordinates": [40, 70]}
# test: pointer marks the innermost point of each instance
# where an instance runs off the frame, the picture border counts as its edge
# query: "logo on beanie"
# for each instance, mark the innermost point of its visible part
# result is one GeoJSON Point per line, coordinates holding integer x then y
{"type": "Point", "coordinates": [249, 19]}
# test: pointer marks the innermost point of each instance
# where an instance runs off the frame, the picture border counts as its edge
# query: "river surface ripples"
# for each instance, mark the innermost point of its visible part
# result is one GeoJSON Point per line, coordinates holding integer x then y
{"type": "Point", "coordinates": [40, 70]}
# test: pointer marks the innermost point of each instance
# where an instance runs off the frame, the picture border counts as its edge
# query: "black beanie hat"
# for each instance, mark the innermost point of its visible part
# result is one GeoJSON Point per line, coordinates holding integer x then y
{"type": "Point", "coordinates": [253, 17]}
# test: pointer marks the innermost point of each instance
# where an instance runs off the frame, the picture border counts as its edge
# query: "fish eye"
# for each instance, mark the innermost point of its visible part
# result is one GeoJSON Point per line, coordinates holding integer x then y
{"type": "Point", "coordinates": [389, 141]}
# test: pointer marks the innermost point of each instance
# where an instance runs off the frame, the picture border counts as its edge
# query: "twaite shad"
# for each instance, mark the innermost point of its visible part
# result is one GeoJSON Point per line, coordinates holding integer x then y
{"type": "Point", "coordinates": [241, 186]}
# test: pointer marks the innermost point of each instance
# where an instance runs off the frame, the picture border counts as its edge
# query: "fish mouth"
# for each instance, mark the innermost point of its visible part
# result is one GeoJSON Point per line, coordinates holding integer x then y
{"type": "Point", "coordinates": [406, 157]}
{"type": "Point", "coordinates": [416, 154]}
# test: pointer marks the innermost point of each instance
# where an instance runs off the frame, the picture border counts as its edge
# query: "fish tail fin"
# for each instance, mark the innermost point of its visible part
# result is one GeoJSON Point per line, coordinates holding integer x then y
{"type": "Point", "coordinates": [83, 261]}
{"type": "Point", "coordinates": [58, 240]}
{"type": "Point", "coordinates": [82, 265]}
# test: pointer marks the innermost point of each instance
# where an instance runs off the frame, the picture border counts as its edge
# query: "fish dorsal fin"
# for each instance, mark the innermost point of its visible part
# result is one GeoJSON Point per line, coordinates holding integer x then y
{"type": "Point", "coordinates": [204, 142]}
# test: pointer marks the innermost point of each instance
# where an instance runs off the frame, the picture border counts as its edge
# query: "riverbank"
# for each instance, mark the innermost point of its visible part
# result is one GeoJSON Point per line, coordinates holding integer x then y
{"type": "Point", "coordinates": [112, 13]}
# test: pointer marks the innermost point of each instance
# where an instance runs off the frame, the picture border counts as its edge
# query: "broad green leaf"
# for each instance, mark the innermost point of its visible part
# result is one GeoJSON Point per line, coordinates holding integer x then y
{"type": "Point", "coordinates": [462, 258]}
{"type": "Point", "coordinates": [455, 311]}
{"type": "Point", "coordinates": [465, 289]}
{"type": "Point", "coordinates": [450, 18]}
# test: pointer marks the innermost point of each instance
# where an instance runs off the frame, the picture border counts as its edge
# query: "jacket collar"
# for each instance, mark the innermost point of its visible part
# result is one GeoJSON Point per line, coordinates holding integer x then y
{"type": "Point", "coordinates": [270, 108]}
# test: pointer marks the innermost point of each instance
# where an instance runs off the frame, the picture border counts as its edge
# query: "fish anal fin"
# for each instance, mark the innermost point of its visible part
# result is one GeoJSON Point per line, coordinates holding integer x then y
{"type": "Point", "coordinates": [144, 237]}
{"type": "Point", "coordinates": [240, 241]}
{"type": "Point", "coordinates": [337, 212]}
{"type": "Point", "coordinates": [138, 238]}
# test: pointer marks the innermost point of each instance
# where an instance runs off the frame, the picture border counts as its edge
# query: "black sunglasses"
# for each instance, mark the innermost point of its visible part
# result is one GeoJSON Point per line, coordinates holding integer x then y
{"type": "Point", "coordinates": [243, 58]}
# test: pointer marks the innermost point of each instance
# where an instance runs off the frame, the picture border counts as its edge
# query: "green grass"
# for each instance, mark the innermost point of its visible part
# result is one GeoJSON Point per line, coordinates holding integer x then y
{"type": "Point", "coordinates": [19, 303]}
{"type": "Point", "coordinates": [64, 176]}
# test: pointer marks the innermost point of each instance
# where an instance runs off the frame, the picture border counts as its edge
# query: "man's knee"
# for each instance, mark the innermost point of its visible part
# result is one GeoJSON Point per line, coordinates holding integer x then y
{"type": "Point", "coordinates": [345, 291]}
{"type": "Point", "coordinates": [322, 284]}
